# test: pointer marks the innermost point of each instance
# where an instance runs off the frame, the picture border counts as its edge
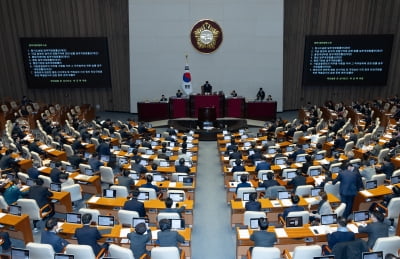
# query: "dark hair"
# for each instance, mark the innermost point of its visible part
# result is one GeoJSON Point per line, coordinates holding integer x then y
{"type": "Point", "coordinates": [135, 193]}
{"type": "Point", "coordinates": [238, 162]}
{"type": "Point", "coordinates": [86, 218]}
{"type": "Point", "coordinates": [168, 202]}
{"type": "Point", "coordinates": [126, 173]}
{"type": "Point", "coordinates": [39, 181]}
{"type": "Point", "coordinates": [263, 223]}
{"type": "Point", "coordinates": [153, 166]}
{"type": "Point", "coordinates": [243, 178]}
{"type": "Point", "coordinates": [182, 161]}
{"type": "Point", "coordinates": [58, 164]}
{"type": "Point", "coordinates": [253, 196]}
{"type": "Point", "coordinates": [140, 228]}
{"type": "Point", "coordinates": [342, 222]}
{"type": "Point", "coordinates": [164, 224]}
{"type": "Point", "coordinates": [295, 199]}
{"type": "Point", "coordinates": [378, 215]}
{"type": "Point", "coordinates": [51, 223]}
{"type": "Point", "coordinates": [270, 176]}
{"type": "Point", "coordinates": [149, 178]}
{"type": "Point", "coordinates": [323, 195]}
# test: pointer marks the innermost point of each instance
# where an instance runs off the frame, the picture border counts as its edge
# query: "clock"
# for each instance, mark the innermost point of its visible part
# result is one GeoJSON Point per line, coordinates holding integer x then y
{"type": "Point", "coordinates": [206, 36]}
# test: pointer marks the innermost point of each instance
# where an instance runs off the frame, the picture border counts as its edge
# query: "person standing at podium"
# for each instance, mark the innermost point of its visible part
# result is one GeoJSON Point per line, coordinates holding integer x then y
{"type": "Point", "coordinates": [207, 88]}
{"type": "Point", "coordinates": [260, 94]}
{"type": "Point", "coordinates": [179, 93]}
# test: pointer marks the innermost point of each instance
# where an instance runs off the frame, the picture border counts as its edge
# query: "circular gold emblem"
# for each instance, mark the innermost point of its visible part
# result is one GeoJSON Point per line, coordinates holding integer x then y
{"type": "Point", "coordinates": [206, 36]}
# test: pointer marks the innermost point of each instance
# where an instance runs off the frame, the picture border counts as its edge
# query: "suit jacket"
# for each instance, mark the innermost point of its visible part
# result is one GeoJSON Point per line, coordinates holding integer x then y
{"type": "Point", "coordinates": [55, 175]}
{"type": "Point", "coordinates": [169, 238]}
{"type": "Point", "coordinates": [103, 149]}
{"type": "Point", "coordinates": [292, 208]}
{"type": "Point", "coordinates": [350, 182]}
{"type": "Point", "coordinates": [263, 166]}
{"type": "Point", "coordinates": [51, 238]}
{"type": "Point", "coordinates": [182, 169]}
{"type": "Point", "coordinates": [263, 238]}
{"type": "Point", "coordinates": [135, 205]}
{"type": "Point", "coordinates": [238, 168]}
{"type": "Point", "coordinates": [138, 243]}
{"type": "Point", "coordinates": [339, 236]}
{"type": "Point", "coordinates": [375, 230]}
{"type": "Point", "coordinates": [125, 181]}
{"type": "Point", "coordinates": [40, 194]}
{"type": "Point", "coordinates": [88, 236]}
{"type": "Point", "coordinates": [253, 206]}
{"type": "Point", "coordinates": [297, 181]}
{"type": "Point", "coordinates": [268, 183]}
{"type": "Point", "coordinates": [235, 155]}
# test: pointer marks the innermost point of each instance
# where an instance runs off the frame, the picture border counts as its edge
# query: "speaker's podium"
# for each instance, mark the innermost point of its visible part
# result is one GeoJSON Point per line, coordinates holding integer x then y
{"type": "Point", "coordinates": [206, 117]}
{"type": "Point", "coordinates": [200, 101]}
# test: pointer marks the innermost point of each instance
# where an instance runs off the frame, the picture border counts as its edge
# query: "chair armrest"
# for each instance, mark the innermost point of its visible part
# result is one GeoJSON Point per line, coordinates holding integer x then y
{"type": "Point", "coordinates": [286, 254]}
{"type": "Point", "coordinates": [281, 220]}
{"type": "Point", "coordinates": [262, 195]}
{"type": "Point", "coordinates": [182, 254]}
{"type": "Point", "coordinates": [326, 250]}
{"type": "Point", "coordinates": [159, 196]}
{"type": "Point", "coordinates": [102, 252]}
{"type": "Point", "coordinates": [248, 254]}
{"type": "Point", "coordinates": [383, 207]}
{"type": "Point", "coordinates": [45, 213]}
{"type": "Point", "coordinates": [145, 256]}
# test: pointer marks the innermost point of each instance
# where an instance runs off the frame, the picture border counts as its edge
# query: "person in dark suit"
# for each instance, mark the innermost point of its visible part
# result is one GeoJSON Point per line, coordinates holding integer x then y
{"type": "Point", "coordinates": [34, 146]}
{"type": "Point", "coordinates": [77, 145]}
{"type": "Point", "coordinates": [55, 172]}
{"type": "Point", "coordinates": [7, 161]}
{"type": "Point", "coordinates": [298, 180]}
{"type": "Point", "coordinates": [299, 150]}
{"type": "Point", "coordinates": [50, 236]}
{"type": "Point", "coordinates": [339, 142]}
{"type": "Point", "coordinates": [376, 229]}
{"type": "Point", "coordinates": [134, 205]}
{"type": "Point", "coordinates": [148, 184]}
{"type": "Point", "coordinates": [295, 207]}
{"type": "Point", "coordinates": [263, 238]}
{"type": "Point", "coordinates": [168, 207]}
{"type": "Point", "coordinates": [104, 148]}
{"type": "Point", "coordinates": [137, 167]}
{"type": "Point", "coordinates": [269, 182]}
{"type": "Point", "coordinates": [181, 167]}
{"type": "Point", "coordinates": [207, 88]}
{"type": "Point", "coordinates": [263, 165]}
{"type": "Point", "coordinates": [87, 235]}
{"type": "Point", "coordinates": [252, 204]}
{"type": "Point", "coordinates": [387, 168]}
{"type": "Point", "coordinates": [243, 182]}
{"type": "Point", "coordinates": [139, 239]}
{"type": "Point", "coordinates": [238, 166]}
{"type": "Point", "coordinates": [260, 94]}
{"type": "Point", "coordinates": [39, 193]}
{"type": "Point", "coordinates": [125, 180]}
{"type": "Point", "coordinates": [342, 234]}
{"type": "Point", "coordinates": [236, 154]}
{"type": "Point", "coordinates": [350, 184]}
{"type": "Point", "coordinates": [166, 237]}
{"type": "Point", "coordinates": [231, 147]}
{"type": "Point", "coordinates": [95, 162]}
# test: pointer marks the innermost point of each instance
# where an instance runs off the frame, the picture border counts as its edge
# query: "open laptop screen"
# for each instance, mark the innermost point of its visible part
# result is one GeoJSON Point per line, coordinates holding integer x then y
{"type": "Point", "coordinates": [319, 156]}
{"type": "Point", "coordinates": [176, 196]}
{"type": "Point", "coordinates": [283, 195]}
{"type": "Point", "coordinates": [15, 210]}
{"type": "Point", "coordinates": [89, 171]}
{"type": "Point", "coordinates": [180, 178]}
{"type": "Point", "coordinates": [361, 216]}
{"type": "Point", "coordinates": [63, 256]}
{"type": "Point", "coordinates": [300, 159]}
{"type": "Point", "coordinates": [335, 169]}
{"type": "Point", "coordinates": [136, 221]}
{"type": "Point", "coordinates": [30, 182]}
{"type": "Point", "coordinates": [143, 196]}
{"type": "Point", "coordinates": [105, 158]}
{"type": "Point", "coordinates": [289, 148]}
{"type": "Point", "coordinates": [164, 164]}
{"type": "Point", "coordinates": [177, 224]}
{"type": "Point", "coordinates": [294, 222]}
{"type": "Point", "coordinates": [371, 184]}
{"type": "Point", "coordinates": [19, 253]}
{"type": "Point", "coordinates": [280, 161]}
{"type": "Point", "coordinates": [69, 168]}
{"type": "Point", "coordinates": [328, 219]}
{"type": "Point", "coordinates": [372, 255]}
{"type": "Point", "coordinates": [74, 218]}
{"type": "Point", "coordinates": [315, 191]}
{"type": "Point", "coordinates": [315, 172]}
{"type": "Point", "coordinates": [55, 187]}
{"type": "Point", "coordinates": [271, 150]}
{"type": "Point", "coordinates": [188, 181]}
{"type": "Point", "coordinates": [107, 221]}
{"type": "Point", "coordinates": [395, 179]}
{"type": "Point", "coordinates": [108, 193]}
{"type": "Point", "coordinates": [134, 175]}
{"type": "Point", "coordinates": [291, 174]}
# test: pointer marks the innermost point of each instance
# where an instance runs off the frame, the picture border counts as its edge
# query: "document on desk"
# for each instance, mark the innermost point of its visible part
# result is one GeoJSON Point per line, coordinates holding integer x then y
{"type": "Point", "coordinates": [244, 234]}
{"type": "Point", "coordinates": [286, 202]}
{"type": "Point", "coordinates": [324, 162]}
{"type": "Point", "coordinates": [282, 166]}
{"type": "Point", "coordinates": [310, 200]}
{"type": "Point", "coordinates": [366, 193]}
{"type": "Point", "coordinates": [154, 233]}
{"type": "Point", "coordinates": [2, 214]}
{"type": "Point", "coordinates": [50, 150]}
{"type": "Point", "coordinates": [353, 228]}
{"type": "Point", "coordinates": [280, 232]}
{"type": "Point", "coordinates": [276, 203]}
{"type": "Point", "coordinates": [82, 177]}
{"type": "Point", "coordinates": [42, 168]}
{"type": "Point", "coordinates": [318, 180]}
{"type": "Point", "coordinates": [124, 232]}
{"type": "Point", "coordinates": [93, 199]}
{"type": "Point", "coordinates": [172, 185]}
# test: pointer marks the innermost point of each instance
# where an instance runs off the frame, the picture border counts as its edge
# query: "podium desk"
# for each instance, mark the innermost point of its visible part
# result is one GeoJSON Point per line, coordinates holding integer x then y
{"type": "Point", "coordinates": [152, 111]}
{"type": "Point", "coordinates": [18, 227]}
{"type": "Point", "coordinates": [261, 110]}
{"type": "Point", "coordinates": [200, 101]}
{"type": "Point", "coordinates": [178, 107]}
{"type": "Point", "coordinates": [234, 107]}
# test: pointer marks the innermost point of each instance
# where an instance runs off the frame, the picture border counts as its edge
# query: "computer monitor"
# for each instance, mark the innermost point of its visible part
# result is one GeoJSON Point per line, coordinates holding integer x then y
{"type": "Point", "coordinates": [315, 172]}
{"type": "Point", "coordinates": [361, 216]}
{"type": "Point", "coordinates": [143, 196]}
{"type": "Point", "coordinates": [283, 195]}
{"type": "Point", "coordinates": [69, 169]}
{"type": "Point", "coordinates": [289, 148]}
{"type": "Point", "coordinates": [158, 135]}
{"type": "Point", "coordinates": [271, 150]}
{"type": "Point", "coordinates": [171, 144]}
{"type": "Point", "coordinates": [372, 184]}
{"type": "Point", "coordinates": [130, 150]}
{"type": "Point", "coordinates": [315, 191]}
{"type": "Point", "coordinates": [89, 171]}
{"type": "Point", "coordinates": [300, 159]}
{"type": "Point", "coordinates": [116, 148]}
{"type": "Point", "coordinates": [319, 156]}
{"type": "Point", "coordinates": [74, 218]}
{"type": "Point", "coordinates": [291, 174]}
{"type": "Point", "coordinates": [15, 210]}
{"type": "Point", "coordinates": [30, 182]}
{"type": "Point", "coordinates": [264, 176]}
{"type": "Point", "coordinates": [64, 256]}
{"type": "Point", "coordinates": [335, 169]}
{"type": "Point", "coordinates": [177, 223]}
{"type": "Point", "coordinates": [154, 143]}
{"type": "Point", "coordinates": [251, 152]}
{"type": "Point", "coordinates": [19, 253]}
{"type": "Point", "coordinates": [52, 164]}
{"type": "Point", "coordinates": [87, 155]}
{"type": "Point", "coordinates": [372, 255]}
{"type": "Point", "coordinates": [246, 196]}
{"type": "Point", "coordinates": [136, 221]}
{"type": "Point", "coordinates": [247, 144]}
{"type": "Point", "coordinates": [55, 187]}
{"type": "Point", "coordinates": [292, 222]}
{"type": "Point", "coordinates": [188, 181]}
{"type": "Point", "coordinates": [143, 162]}
{"type": "Point", "coordinates": [176, 196]}
{"type": "Point", "coordinates": [105, 158]}
{"type": "Point", "coordinates": [180, 178]}
{"type": "Point", "coordinates": [254, 223]}
{"type": "Point", "coordinates": [134, 175]}
{"type": "Point", "coordinates": [158, 177]}
{"type": "Point", "coordinates": [164, 164]}
{"type": "Point", "coordinates": [328, 219]}
{"type": "Point", "coordinates": [149, 152]}
{"type": "Point", "coordinates": [106, 221]}
{"type": "Point", "coordinates": [395, 179]}
{"type": "Point", "coordinates": [169, 153]}
{"type": "Point", "coordinates": [280, 161]}
{"type": "Point", "coordinates": [108, 193]}
{"type": "Point", "coordinates": [11, 176]}
{"type": "Point", "coordinates": [122, 161]}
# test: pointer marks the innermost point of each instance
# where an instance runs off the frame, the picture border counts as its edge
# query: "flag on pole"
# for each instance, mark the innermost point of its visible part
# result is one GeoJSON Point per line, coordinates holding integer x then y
{"type": "Point", "coordinates": [187, 79]}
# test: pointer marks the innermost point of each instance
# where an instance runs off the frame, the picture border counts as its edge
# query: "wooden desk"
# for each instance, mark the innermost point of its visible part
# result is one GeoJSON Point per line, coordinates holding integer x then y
{"type": "Point", "coordinates": [64, 204]}
{"type": "Point", "coordinates": [90, 185]}
{"type": "Point", "coordinates": [363, 199]}
{"type": "Point", "coordinates": [18, 227]}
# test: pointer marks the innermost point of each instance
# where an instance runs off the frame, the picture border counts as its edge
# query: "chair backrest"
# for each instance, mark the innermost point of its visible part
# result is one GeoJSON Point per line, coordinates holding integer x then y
{"type": "Point", "coordinates": [380, 178]}
{"type": "Point", "coordinates": [265, 252]}
{"type": "Point", "coordinates": [106, 174]}
{"type": "Point", "coordinates": [35, 156]}
{"type": "Point", "coordinates": [26, 153]}
{"type": "Point", "coordinates": [340, 209]}
{"type": "Point", "coordinates": [158, 160]}
{"type": "Point", "coordinates": [272, 192]}
{"type": "Point", "coordinates": [23, 176]}
{"type": "Point", "coordinates": [261, 172]}
{"type": "Point", "coordinates": [348, 147]}
{"type": "Point", "coordinates": [382, 153]}
{"type": "Point", "coordinates": [95, 142]}
{"type": "Point", "coordinates": [40, 251]}
{"type": "Point", "coordinates": [235, 175]}
{"type": "Point", "coordinates": [243, 190]}
{"type": "Point", "coordinates": [80, 251]}
{"type": "Point", "coordinates": [125, 216]}
{"type": "Point", "coordinates": [314, 167]}
{"type": "Point", "coordinates": [396, 172]}
{"type": "Point", "coordinates": [175, 176]}
{"type": "Point", "coordinates": [95, 213]}
{"type": "Point", "coordinates": [304, 190]}
{"type": "Point", "coordinates": [286, 170]}
{"type": "Point", "coordinates": [74, 190]}
{"type": "Point", "coordinates": [304, 214]}
{"type": "Point", "coordinates": [168, 215]}
{"type": "Point", "coordinates": [321, 140]}
{"type": "Point", "coordinates": [252, 215]}
{"type": "Point", "coordinates": [46, 180]}
{"type": "Point", "coordinates": [125, 147]}
{"type": "Point", "coordinates": [333, 189]}
{"type": "Point", "coordinates": [29, 207]}
{"type": "Point", "coordinates": [296, 136]}
{"type": "Point", "coordinates": [121, 191]}
{"type": "Point", "coordinates": [68, 150]}
{"type": "Point", "coordinates": [151, 191]}
{"type": "Point", "coordinates": [3, 203]}
{"type": "Point", "coordinates": [389, 245]}
{"type": "Point", "coordinates": [302, 252]}
{"type": "Point", "coordinates": [168, 252]}
{"type": "Point", "coordinates": [394, 208]}
{"type": "Point", "coordinates": [83, 167]}
{"type": "Point", "coordinates": [360, 142]}
{"type": "Point", "coordinates": [120, 252]}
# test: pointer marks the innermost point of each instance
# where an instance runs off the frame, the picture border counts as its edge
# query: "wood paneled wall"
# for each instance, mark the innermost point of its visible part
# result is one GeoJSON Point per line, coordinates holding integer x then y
{"type": "Point", "coordinates": [319, 17]}
{"type": "Point", "coordinates": [65, 18]}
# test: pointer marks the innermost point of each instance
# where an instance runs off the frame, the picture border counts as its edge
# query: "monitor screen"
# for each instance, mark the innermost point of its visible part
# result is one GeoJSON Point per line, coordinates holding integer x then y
{"type": "Point", "coordinates": [289, 149]}
{"type": "Point", "coordinates": [66, 62]}
{"type": "Point", "coordinates": [246, 196]}
{"type": "Point", "coordinates": [264, 177]}
{"type": "Point", "coordinates": [122, 161]}
{"type": "Point", "coordinates": [19, 253]}
{"type": "Point", "coordinates": [64, 256]}
{"type": "Point", "coordinates": [247, 144]}
{"type": "Point", "coordinates": [315, 172]}
{"type": "Point", "coordinates": [335, 169]}
{"type": "Point", "coordinates": [372, 255]}
{"type": "Point", "coordinates": [188, 181]}
{"type": "Point", "coordinates": [291, 174]}
{"type": "Point", "coordinates": [87, 155]}
{"type": "Point", "coordinates": [315, 191]}
{"type": "Point", "coordinates": [294, 222]}
{"type": "Point", "coordinates": [89, 171]}
{"type": "Point", "coordinates": [134, 175]}
{"type": "Point", "coordinates": [30, 182]}
{"type": "Point", "coordinates": [283, 195]}
{"type": "Point", "coordinates": [107, 221]}
{"type": "Point", "coordinates": [361, 216]}
{"type": "Point", "coordinates": [143, 162]}
{"type": "Point", "coordinates": [164, 163]}
{"type": "Point", "coordinates": [158, 177]}
{"type": "Point", "coordinates": [15, 210]}
{"type": "Point", "coordinates": [306, 146]}
{"type": "Point", "coordinates": [69, 168]}
{"type": "Point", "coordinates": [180, 178]}
{"type": "Point", "coordinates": [395, 179]}
{"type": "Point", "coordinates": [371, 184]}
{"type": "Point", "coordinates": [176, 196]}
{"type": "Point", "coordinates": [108, 193]}
{"type": "Point", "coordinates": [328, 219]}
{"type": "Point", "coordinates": [280, 161]}
{"type": "Point", "coordinates": [177, 223]}
{"type": "Point", "coordinates": [52, 164]}
{"type": "Point", "coordinates": [319, 156]}
{"type": "Point", "coordinates": [254, 223]}
{"type": "Point", "coordinates": [271, 150]}
{"type": "Point", "coordinates": [300, 159]}
{"type": "Point", "coordinates": [143, 196]}
{"type": "Point", "coordinates": [136, 221]}
{"type": "Point", "coordinates": [74, 218]}
{"type": "Point", "coordinates": [105, 158]}
{"type": "Point", "coordinates": [55, 187]}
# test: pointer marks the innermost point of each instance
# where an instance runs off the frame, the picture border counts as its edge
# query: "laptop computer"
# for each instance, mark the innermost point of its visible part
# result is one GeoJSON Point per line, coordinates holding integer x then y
{"type": "Point", "coordinates": [271, 150]}
{"type": "Point", "coordinates": [154, 143]}
{"type": "Point", "coordinates": [177, 223]}
{"type": "Point", "coordinates": [300, 159]}
{"type": "Point", "coordinates": [106, 221]}
{"type": "Point", "coordinates": [64, 256]}
{"type": "Point", "coordinates": [180, 178]}
{"type": "Point", "coordinates": [289, 148]}
{"type": "Point", "coordinates": [247, 144]}
{"type": "Point", "coordinates": [122, 161]}
{"type": "Point", "coordinates": [188, 181]}
{"type": "Point", "coordinates": [372, 184]}
{"type": "Point", "coordinates": [105, 158]}
{"type": "Point", "coordinates": [136, 221]}
{"type": "Point", "coordinates": [292, 222]}
{"type": "Point", "coordinates": [328, 219]}
{"type": "Point", "coordinates": [87, 155]}
{"type": "Point", "coordinates": [69, 169]}
{"type": "Point", "coordinates": [55, 187]}
{"type": "Point", "coordinates": [395, 179]}
{"type": "Point", "coordinates": [149, 152]}
{"type": "Point", "coordinates": [130, 150]}
{"type": "Point", "coordinates": [15, 210]}
{"type": "Point", "coordinates": [52, 164]}
{"type": "Point", "coordinates": [164, 163]}
{"type": "Point", "coordinates": [291, 175]}
{"type": "Point", "coordinates": [315, 172]}
{"type": "Point", "coordinates": [319, 156]}
{"type": "Point", "coordinates": [19, 253]}
{"type": "Point", "coordinates": [74, 218]}
{"type": "Point", "coordinates": [134, 175]}
{"type": "Point", "coordinates": [335, 169]}
{"type": "Point", "coordinates": [108, 193]}
{"type": "Point", "coordinates": [176, 196]}
{"type": "Point", "coordinates": [264, 177]}
{"type": "Point", "coordinates": [251, 152]}
{"type": "Point", "coordinates": [30, 182]}
{"type": "Point", "coordinates": [143, 196]}
{"type": "Point", "coordinates": [283, 195]}
{"type": "Point", "coordinates": [280, 161]}
{"type": "Point", "coordinates": [89, 171]}
{"type": "Point", "coordinates": [171, 144]}
{"type": "Point", "coordinates": [372, 255]}
{"type": "Point", "coordinates": [362, 215]}
{"type": "Point", "coordinates": [315, 191]}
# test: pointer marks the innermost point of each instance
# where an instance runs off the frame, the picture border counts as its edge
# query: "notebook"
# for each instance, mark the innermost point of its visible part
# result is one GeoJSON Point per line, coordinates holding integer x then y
{"type": "Point", "coordinates": [292, 222]}
{"type": "Point", "coordinates": [19, 253]}
{"type": "Point", "coordinates": [55, 187]}
{"type": "Point", "coordinates": [177, 223]}
{"type": "Point", "coordinates": [315, 191]}
{"type": "Point", "coordinates": [74, 218]}
{"type": "Point", "coordinates": [328, 219]}
{"type": "Point", "coordinates": [176, 196]}
{"type": "Point", "coordinates": [89, 171]}
{"type": "Point", "coordinates": [372, 255]}
{"type": "Point", "coordinates": [64, 256]}
{"type": "Point", "coordinates": [315, 172]}
{"type": "Point", "coordinates": [372, 184]}
{"type": "Point", "coordinates": [283, 195]}
{"type": "Point", "coordinates": [136, 221]}
{"type": "Point", "coordinates": [361, 215]}
{"type": "Point", "coordinates": [15, 210]}
{"type": "Point", "coordinates": [105, 221]}
{"type": "Point", "coordinates": [108, 193]}
{"type": "Point", "coordinates": [143, 196]}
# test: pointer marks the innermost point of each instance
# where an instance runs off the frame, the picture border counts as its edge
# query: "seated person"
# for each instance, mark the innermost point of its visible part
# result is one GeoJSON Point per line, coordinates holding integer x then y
{"type": "Point", "coordinates": [149, 179]}
{"type": "Point", "coordinates": [238, 166]}
{"type": "Point", "coordinates": [243, 182]}
{"type": "Point", "coordinates": [269, 182]}
{"type": "Point", "coordinates": [163, 98]}
{"type": "Point", "coordinates": [6, 245]}
{"type": "Point", "coordinates": [88, 235]}
{"type": "Point", "coordinates": [298, 180]}
{"type": "Point", "coordinates": [168, 207]}
{"type": "Point", "coordinates": [263, 165]}
{"type": "Point", "coordinates": [163, 154]}
{"type": "Point", "coordinates": [166, 237]}
{"type": "Point", "coordinates": [252, 204]}
{"type": "Point", "coordinates": [65, 180]}
{"type": "Point", "coordinates": [94, 162]}
{"type": "Point", "coordinates": [324, 207]}
{"type": "Point", "coordinates": [125, 180]}
{"type": "Point", "coordinates": [137, 167]}
{"type": "Point", "coordinates": [40, 193]}
{"type": "Point", "coordinates": [138, 240]}
{"type": "Point", "coordinates": [182, 168]}
{"type": "Point", "coordinates": [231, 147]}
{"type": "Point", "coordinates": [298, 151]}
{"type": "Point", "coordinates": [387, 168]}
{"type": "Point", "coordinates": [50, 236]}
{"type": "Point", "coordinates": [134, 205]}
{"type": "Point", "coordinates": [342, 234]}
{"type": "Point", "coordinates": [236, 154]}
{"type": "Point", "coordinates": [13, 192]}
{"type": "Point", "coordinates": [263, 238]}
{"type": "Point", "coordinates": [295, 207]}
{"type": "Point", "coordinates": [376, 229]}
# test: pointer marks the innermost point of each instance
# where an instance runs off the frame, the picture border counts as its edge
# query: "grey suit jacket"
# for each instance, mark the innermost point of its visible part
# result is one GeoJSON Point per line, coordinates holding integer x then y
{"type": "Point", "coordinates": [375, 230]}
{"type": "Point", "coordinates": [263, 238]}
